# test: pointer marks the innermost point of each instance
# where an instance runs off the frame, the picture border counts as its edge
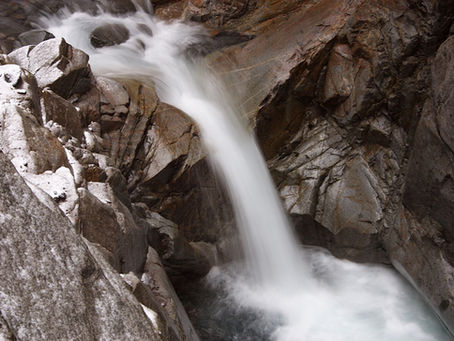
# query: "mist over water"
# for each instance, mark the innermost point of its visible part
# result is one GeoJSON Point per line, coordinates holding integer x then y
{"type": "Point", "coordinates": [293, 293]}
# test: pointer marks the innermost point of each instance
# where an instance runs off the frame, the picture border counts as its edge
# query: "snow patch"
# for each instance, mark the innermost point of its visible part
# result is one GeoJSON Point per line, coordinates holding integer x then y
{"type": "Point", "coordinates": [152, 316]}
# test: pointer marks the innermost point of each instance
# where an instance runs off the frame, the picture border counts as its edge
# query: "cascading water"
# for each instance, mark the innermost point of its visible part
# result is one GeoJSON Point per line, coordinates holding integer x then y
{"type": "Point", "coordinates": [303, 295]}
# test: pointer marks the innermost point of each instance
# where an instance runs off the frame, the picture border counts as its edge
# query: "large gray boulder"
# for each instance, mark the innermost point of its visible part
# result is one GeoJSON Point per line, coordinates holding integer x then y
{"type": "Point", "coordinates": [56, 65]}
{"type": "Point", "coordinates": [53, 287]}
{"type": "Point", "coordinates": [31, 147]}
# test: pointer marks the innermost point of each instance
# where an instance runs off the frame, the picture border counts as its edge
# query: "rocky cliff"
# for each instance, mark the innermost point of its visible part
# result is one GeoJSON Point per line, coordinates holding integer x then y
{"type": "Point", "coordinates": [68, 235]}
{"type": "Point", "coordinates": [352, 105]}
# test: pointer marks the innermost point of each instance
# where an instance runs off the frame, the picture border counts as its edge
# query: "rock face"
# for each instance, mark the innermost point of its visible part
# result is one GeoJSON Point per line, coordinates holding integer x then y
{"type": "Point", "coordinates": [428, 197]}
{"type": "Point", "coordinates": [351, 102]}
{"type": "Point", "coordinates": [63, 144]}
{"type": "Point", "coordinates": [429, 186]}
{"type": "Point", "coordinates": [352, 106]}
{"type": "Point", "coordinates": [70, 292]}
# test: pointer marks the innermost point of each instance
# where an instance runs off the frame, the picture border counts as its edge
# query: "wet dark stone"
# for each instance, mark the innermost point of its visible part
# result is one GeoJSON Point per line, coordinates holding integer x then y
{"type": "Point", "coordinates": [217, 317]}
{"type": "Point", "coordinates": [444, 305]}
{"type": "Point", "coordinates": [109, 35]}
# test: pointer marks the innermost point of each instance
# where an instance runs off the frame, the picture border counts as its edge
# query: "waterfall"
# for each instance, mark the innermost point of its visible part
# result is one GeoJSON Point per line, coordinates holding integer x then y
{"type": "Point", "coordinates": [313, 295]}
{"type": "Point", "coordinates": [266, 234]}
{"type": "Point", "coordinates": [268, 241]}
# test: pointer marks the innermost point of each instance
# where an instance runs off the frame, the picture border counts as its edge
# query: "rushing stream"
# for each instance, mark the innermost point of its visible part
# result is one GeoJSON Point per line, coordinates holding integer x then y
{"type": "Point", "coordinates": [281, 291]}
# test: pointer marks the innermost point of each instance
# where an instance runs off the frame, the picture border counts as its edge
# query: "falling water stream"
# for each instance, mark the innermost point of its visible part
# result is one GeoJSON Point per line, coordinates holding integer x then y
{"type": "Point", "coordinates": [293, 293]}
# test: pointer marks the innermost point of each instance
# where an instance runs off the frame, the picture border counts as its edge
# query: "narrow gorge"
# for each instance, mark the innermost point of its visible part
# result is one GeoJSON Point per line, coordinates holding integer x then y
{"type": "Point", "coordinates": [227, 170]}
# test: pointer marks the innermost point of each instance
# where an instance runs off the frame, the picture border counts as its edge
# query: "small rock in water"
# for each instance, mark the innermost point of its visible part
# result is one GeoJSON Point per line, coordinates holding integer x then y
{"type": "Point", "coordinates": [109, 35]}
{"type": "Point", "coordinates": [145, 29]}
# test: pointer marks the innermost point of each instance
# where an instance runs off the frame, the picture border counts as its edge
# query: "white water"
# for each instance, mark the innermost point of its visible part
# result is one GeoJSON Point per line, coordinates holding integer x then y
{"type": "Point", "coordinates": [315, 296]}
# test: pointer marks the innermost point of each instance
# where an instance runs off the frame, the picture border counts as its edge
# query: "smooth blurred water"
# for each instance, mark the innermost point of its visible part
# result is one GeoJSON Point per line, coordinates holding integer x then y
{"type": "Point", "coordinates": [302, 295]}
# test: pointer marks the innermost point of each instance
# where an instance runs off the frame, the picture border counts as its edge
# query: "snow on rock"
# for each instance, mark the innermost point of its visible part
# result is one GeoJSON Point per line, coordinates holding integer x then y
{"type": "Point", "coordinates": [57, 65]}
{"type": "Point", "coordinates": [55, 286]}
{"type": "Point", "coordinates": [60, 186]}
{"type": "Point", "coordinates": [152, 316]}
{"type": "Point", "coordinates": [31, 147]}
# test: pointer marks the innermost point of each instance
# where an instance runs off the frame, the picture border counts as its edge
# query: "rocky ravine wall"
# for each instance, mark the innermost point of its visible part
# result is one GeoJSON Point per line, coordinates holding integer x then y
{"type": "Point", "coordinates": [351, 102]}
{"type": "Point", "coordinates": [71, 136]}
{"type": "Point", "coordinates": [352, 105]}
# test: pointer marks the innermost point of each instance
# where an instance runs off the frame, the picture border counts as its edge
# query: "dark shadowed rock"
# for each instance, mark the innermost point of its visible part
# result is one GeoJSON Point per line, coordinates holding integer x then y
{"type": "Point", "coordinates": [57, 109]}
{"type": "Point", "coordinates": [418, 250]}
{"type": "Point", "coordinates": [429, 189]}
{"type": "Point", "coordinates": [119, 185]}
{"type": "Point", "coordinates": [99, 225]}
{"type": "Point", "coordinates": [94, 173]}
{"type": "Point", "coordinates": [426, 222]}
{"type": "Point", "coordinates": [89, 104]}
{"type": "Point", "coordinates": [181, 258]}
{"type": "Point", "coordinates": [109, 35]}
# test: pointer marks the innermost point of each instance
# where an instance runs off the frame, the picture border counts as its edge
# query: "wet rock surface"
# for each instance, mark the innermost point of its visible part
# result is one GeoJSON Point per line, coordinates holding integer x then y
{"type": "Point", "coordinates": [109, 35]}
